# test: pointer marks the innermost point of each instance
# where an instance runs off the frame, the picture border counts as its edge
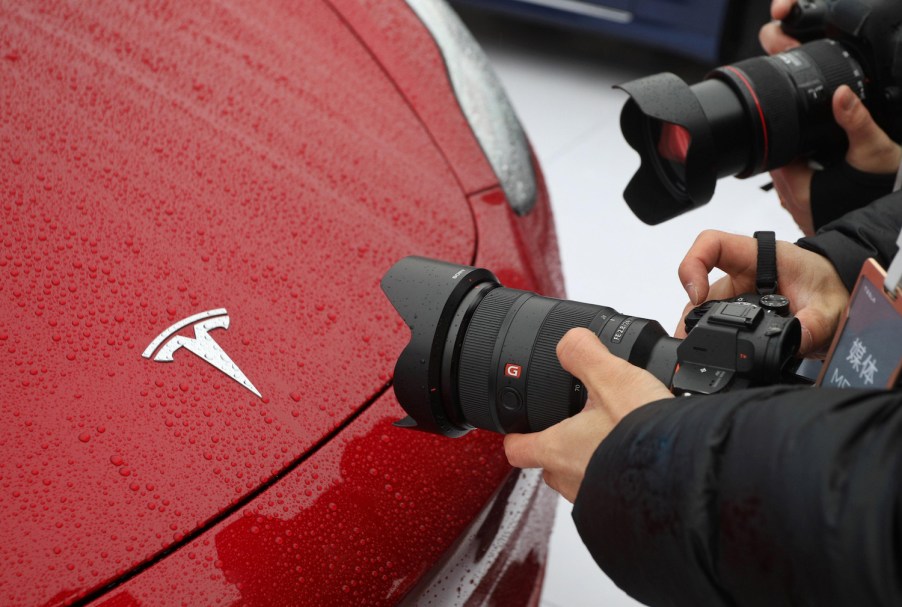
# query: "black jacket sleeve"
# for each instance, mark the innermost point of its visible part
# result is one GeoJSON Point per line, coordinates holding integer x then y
{"type": "Point", "coordinates": [774, 496]}
{"type": "Point", "coordinates": [870, 231]}
{"type": "Point", "coordinates": [843, 188]}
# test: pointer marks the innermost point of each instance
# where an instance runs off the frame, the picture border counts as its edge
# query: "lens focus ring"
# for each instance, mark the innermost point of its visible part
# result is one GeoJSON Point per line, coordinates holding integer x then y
{"type": "Point", "coordinates": [773, 96]}
{"type": "Point", "coordinates": [790, 96]}
{"type": "Point", "coordinates": [476, 355]}
{"type": "Point", "coordinates": [549, 395]}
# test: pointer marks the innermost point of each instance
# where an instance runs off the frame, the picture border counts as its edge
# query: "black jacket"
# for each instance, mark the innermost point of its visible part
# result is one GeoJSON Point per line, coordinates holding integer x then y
{"type": "Point", "coordinates": [868, 232]}
{"type": "Point", "coordinates": [773, 496]}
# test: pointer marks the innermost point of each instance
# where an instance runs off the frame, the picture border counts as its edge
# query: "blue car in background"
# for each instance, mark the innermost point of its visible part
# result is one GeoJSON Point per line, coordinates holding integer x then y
{"type": "Point", "coordinates": [711, 31]}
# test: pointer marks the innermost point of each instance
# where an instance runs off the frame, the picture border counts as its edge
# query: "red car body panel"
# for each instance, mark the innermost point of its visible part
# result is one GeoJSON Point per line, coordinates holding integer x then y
{"type": "Point", "coordinates": [162, 160]}
{"type": "Point", "coordinates": [399, 42]}
{"type": "Point", "coordinates": [361, 521]}
{"type": "Point", "coordinates": [356, 525]}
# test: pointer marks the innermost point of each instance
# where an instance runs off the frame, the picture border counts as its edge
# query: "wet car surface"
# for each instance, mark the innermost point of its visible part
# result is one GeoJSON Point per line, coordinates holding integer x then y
{"type": "Point", "coordinates": [199, 202]}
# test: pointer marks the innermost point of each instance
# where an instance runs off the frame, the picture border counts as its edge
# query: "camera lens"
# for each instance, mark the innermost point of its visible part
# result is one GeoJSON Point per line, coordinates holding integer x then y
{"type": "Point", "coordinates": [509, 378]}
{"type": "Point", "coordinates": [673, 143]}
{"type": "Point", "coordinates": [485, 356]}
{"type": "Point", "coordinates": [788, 101]}
{"type": "Point", "coordinates": [743, 119]}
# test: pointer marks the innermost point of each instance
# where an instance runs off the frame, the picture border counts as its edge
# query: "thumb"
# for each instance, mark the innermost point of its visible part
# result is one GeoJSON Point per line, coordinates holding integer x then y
{"type": "Point", "coordinates": [817, 330]}
{"type": "Point", "coordinates": [870, 148]}
{"type": "Point", "coordinates": [779, 9]}
{"type": "Point", "coordinates": [806, 345]}
{"type": "Point", "coordinates": [524, 450]}
{"type": "Point", "coordinates": [614, 385]}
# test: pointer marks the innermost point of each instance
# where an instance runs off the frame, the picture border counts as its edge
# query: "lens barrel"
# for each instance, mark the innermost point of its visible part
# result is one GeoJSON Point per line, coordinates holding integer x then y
{"type": "Point", "coordinates": [485, 356]}
{"type": "Point", "coordinates": [788, 101]}
{"type": "Point", "coordinates": [509, 378]}
{"type": "Point", "coordinates": [743, 119]}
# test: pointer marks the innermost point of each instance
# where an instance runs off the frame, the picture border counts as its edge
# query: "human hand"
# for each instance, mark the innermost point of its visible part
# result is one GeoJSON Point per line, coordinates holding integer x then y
{"type": "Point", "coordinates": [615, 389]}
{"type": "Point", "coordinates": [870, 148]}
{"type": "Point", "coordinates": [816, 293]}
{"type": "Point", "coordinates": [772, 38]}
{"type": "Point", "coordinates": [870, 151]}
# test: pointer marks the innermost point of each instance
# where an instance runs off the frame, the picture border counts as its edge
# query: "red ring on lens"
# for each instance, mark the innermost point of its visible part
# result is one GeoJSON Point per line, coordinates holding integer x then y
{"type": "Point", "coordinates": [751, 91]}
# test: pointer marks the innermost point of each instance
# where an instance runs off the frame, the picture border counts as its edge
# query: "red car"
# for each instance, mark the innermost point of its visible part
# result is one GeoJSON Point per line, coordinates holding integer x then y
{"type": "Point", "coordinates": [199, 200]}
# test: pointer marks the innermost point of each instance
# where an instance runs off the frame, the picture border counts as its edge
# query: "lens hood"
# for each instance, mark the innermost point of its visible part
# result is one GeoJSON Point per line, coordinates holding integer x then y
{"type": "Point", "coordinates": [652, 194]}
{"type": "Point", "coordinates": [429, 294]}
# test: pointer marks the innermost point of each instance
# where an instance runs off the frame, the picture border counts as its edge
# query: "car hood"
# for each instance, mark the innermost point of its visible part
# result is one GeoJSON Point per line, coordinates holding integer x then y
{"type": "Point", "coordinates": [198, 204]}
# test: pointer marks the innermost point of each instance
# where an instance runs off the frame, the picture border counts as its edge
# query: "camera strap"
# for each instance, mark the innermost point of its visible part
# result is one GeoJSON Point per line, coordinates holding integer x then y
{"type": "Point", "coordinates": [766, 274]}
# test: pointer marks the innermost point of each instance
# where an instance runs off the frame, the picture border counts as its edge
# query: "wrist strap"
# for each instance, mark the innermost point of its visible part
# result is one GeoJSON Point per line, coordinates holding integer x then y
{"type": "Point", "coordinates": [766, 277]}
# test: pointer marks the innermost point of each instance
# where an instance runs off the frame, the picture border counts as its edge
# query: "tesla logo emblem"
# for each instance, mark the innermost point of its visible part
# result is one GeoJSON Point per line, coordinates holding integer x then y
{"type": "Point", "coordinates": [202, 344]}
{"type": "Point", "coordinates": [512, 370]}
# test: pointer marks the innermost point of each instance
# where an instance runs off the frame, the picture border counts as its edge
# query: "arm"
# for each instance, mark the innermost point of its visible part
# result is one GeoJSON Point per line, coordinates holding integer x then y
{"type": "Point", "coordinates": [771, 496]}
{"type": "Point", "coordinates": [755, 497]}
{"type": "Point", "coordinates": [867, 232]}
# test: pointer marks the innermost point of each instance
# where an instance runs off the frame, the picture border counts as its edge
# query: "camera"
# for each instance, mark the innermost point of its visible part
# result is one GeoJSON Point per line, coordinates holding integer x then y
{"type": "Point", "coordinates": [484, 356]}
{"type": "Point", "coordinates": [762, 113]}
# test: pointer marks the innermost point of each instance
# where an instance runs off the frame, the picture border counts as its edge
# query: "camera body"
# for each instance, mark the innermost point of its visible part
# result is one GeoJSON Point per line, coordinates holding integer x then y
{"type": "Point", "coordinates": [484, 356]}
{"type": "Point", "coordinates": [764, 112]}
{"type": "Point", "coordinates": [736, 343]}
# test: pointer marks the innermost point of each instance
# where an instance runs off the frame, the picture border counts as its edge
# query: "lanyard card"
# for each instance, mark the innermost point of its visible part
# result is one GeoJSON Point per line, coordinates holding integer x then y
{"type": "Point", "coordinates": [867, 349]}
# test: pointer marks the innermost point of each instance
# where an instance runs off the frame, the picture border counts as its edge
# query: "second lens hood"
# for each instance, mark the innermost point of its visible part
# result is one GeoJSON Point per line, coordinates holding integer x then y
{"type": "Point", "coordinates": [651, 194]}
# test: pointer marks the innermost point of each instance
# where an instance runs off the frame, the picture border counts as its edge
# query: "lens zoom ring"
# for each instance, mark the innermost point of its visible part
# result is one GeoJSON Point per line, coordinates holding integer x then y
{"type": "Point", "coordinates": [835, 68]}
{"type": "Point", "coordinates": [776, 96]}
{"type": "Point", "coordinates": [548, 400]}
{"type": "Point", "coordinates": [476, 355]}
